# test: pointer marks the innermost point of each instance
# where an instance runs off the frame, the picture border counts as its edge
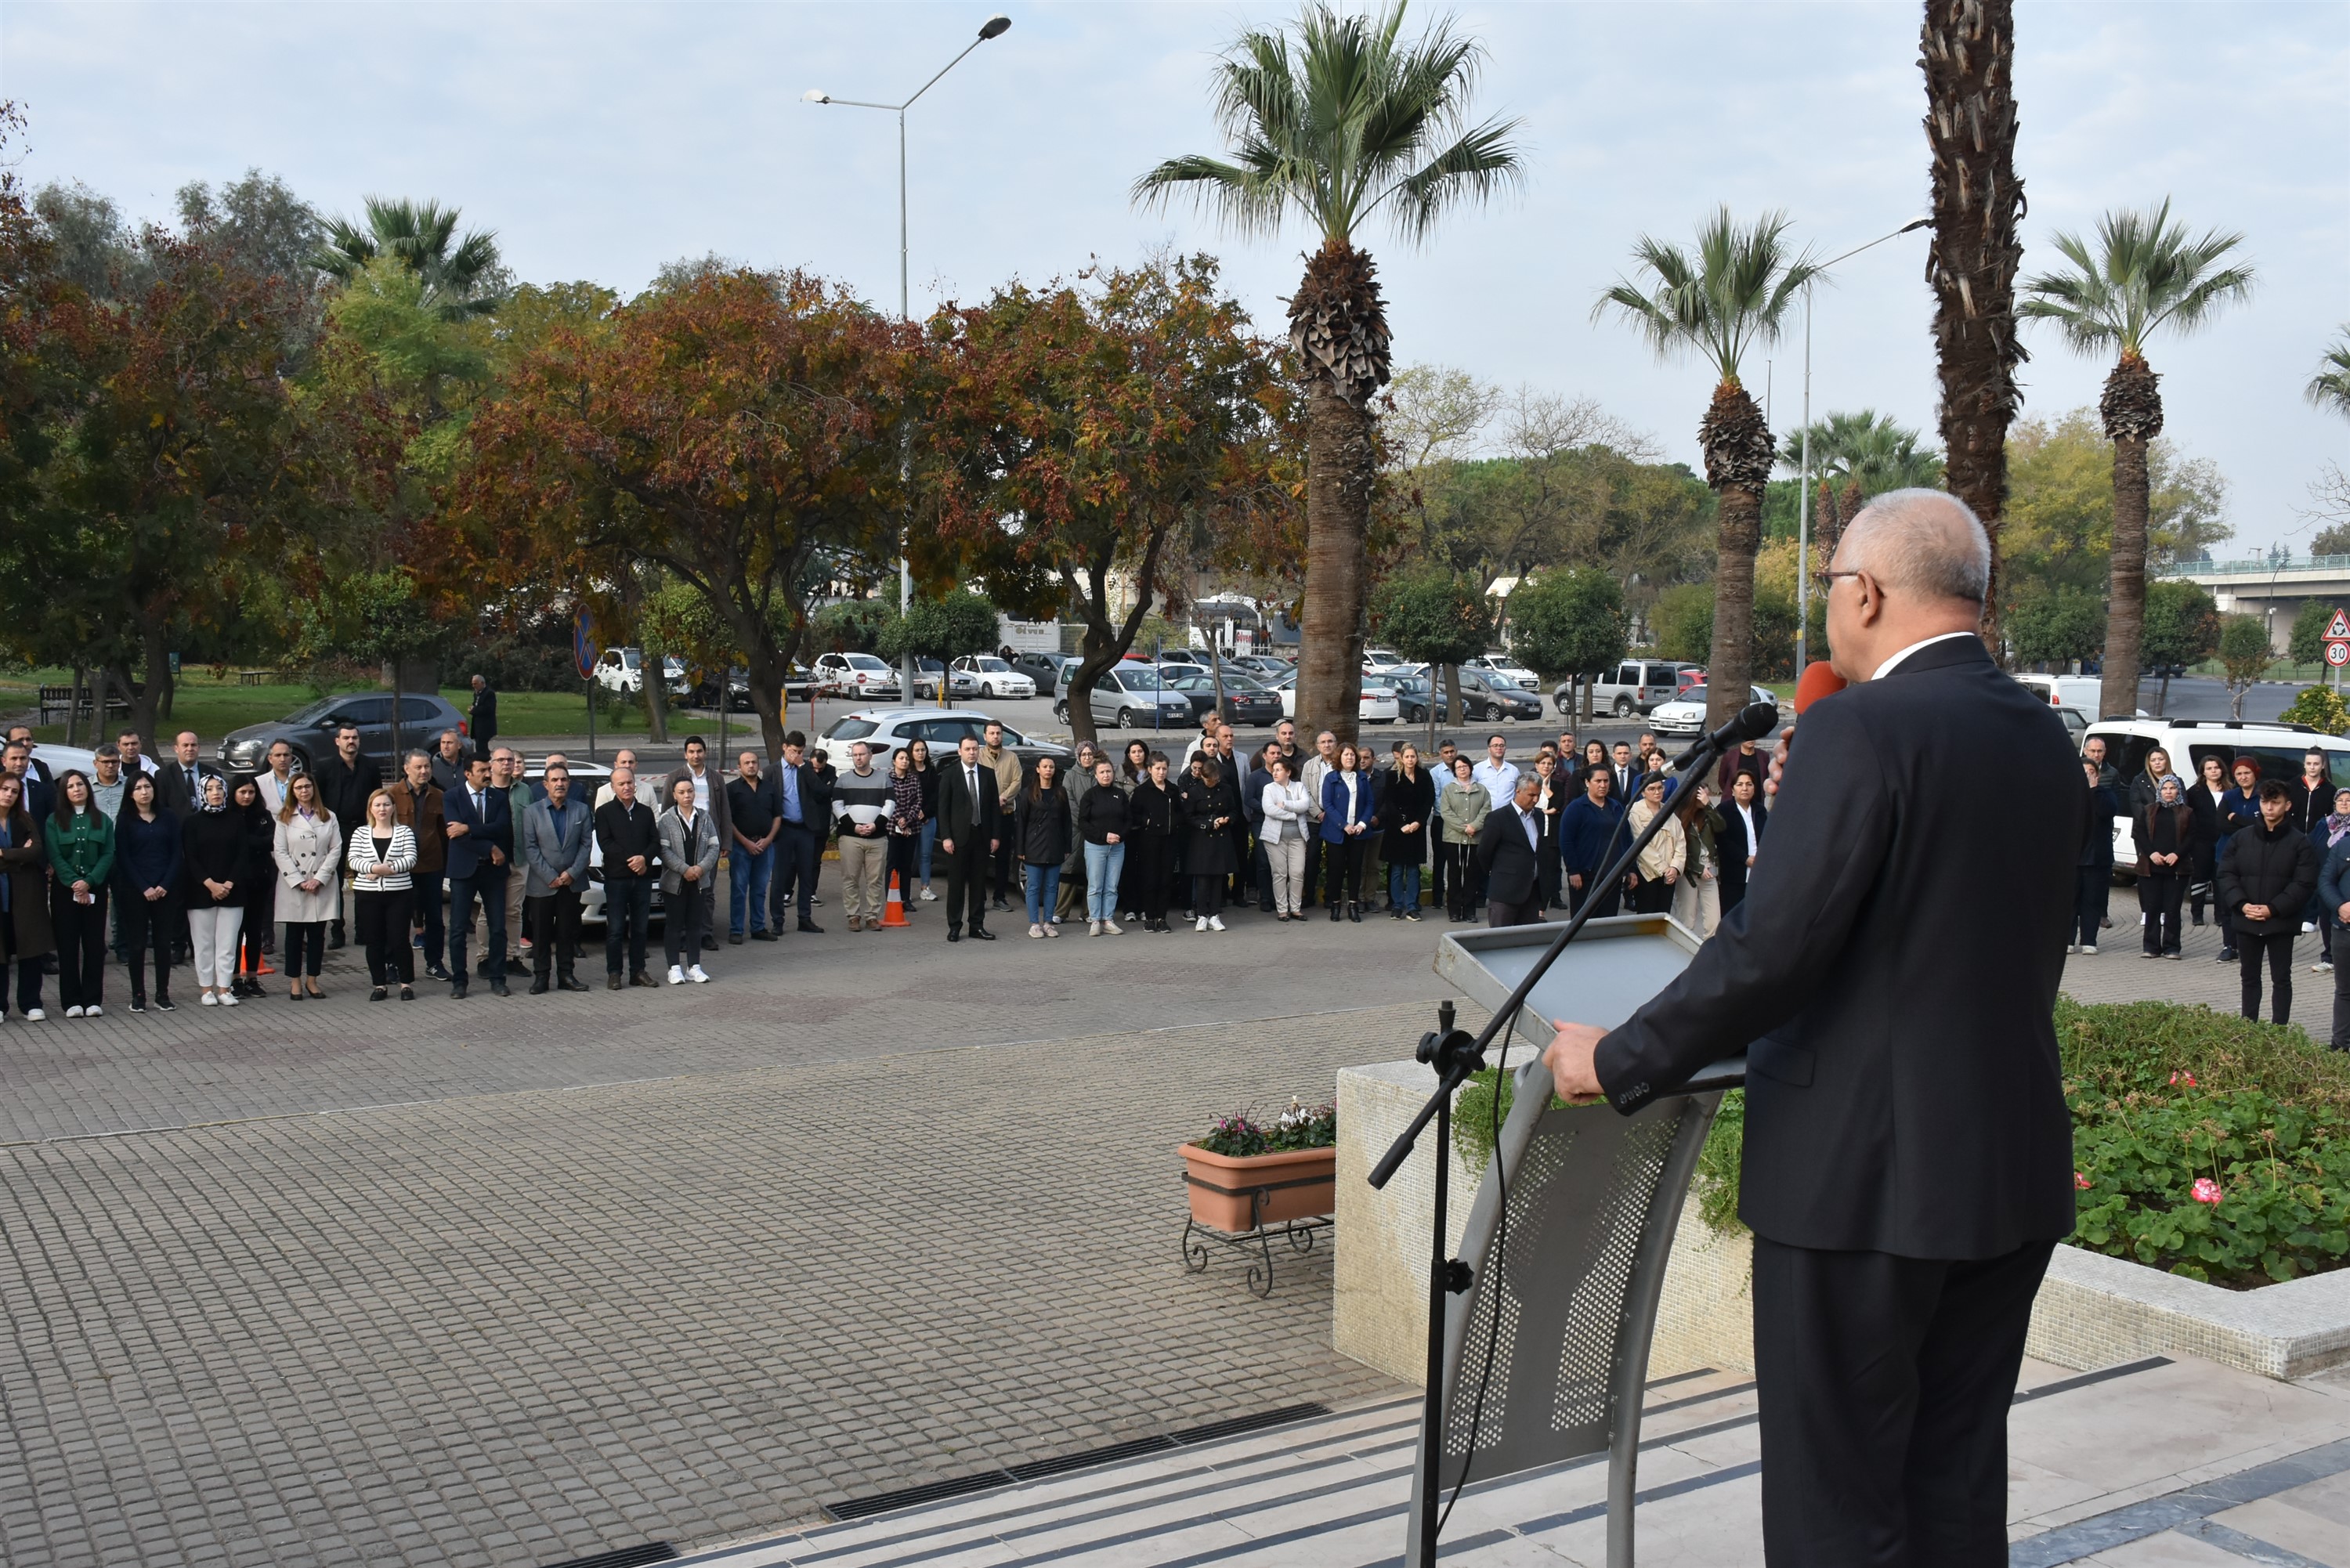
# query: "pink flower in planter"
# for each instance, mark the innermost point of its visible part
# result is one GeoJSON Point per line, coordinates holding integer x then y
{"type": "Point", "coordinates": [2205, 1191]}
{"type": "Point", "coordinates": [2183, 1079]}
{"type": "Point", "coordinates": [2080, 1182]}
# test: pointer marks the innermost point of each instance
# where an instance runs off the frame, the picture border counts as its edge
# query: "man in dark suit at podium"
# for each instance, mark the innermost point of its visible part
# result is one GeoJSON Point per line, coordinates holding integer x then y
{"type": "Point", "coordinates": [1908, 1163]}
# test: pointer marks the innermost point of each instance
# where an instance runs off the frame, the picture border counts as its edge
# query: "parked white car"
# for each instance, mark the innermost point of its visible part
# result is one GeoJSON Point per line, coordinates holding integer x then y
{"type": "Point", "coordinates": [1686, 715]}
{"type": "Point", "coordinates": [1379, 704]}
{"type": "Point", "coordinates": [623, 669]}
{"type": "Point", "coordinates": [1509, 670]}
{"type": "Point", "coordinates": [995, 678]}
{"type": "Point", "coordinates": [855, 675]}
{"type": "Point", "coordinates": [2083, 693]}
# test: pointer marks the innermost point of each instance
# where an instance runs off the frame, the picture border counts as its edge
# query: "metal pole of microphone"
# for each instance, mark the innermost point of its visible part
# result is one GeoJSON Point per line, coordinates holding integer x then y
{"type": "Point", "coordinates": [1456, 1055]}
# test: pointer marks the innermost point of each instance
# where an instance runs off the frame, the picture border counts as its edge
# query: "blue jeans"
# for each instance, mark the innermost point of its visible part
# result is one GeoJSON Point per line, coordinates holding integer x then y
{"type": "Point", "coordinates": [1104, 863]}
{"type": "Point", "coordinates": [930, 838]}
{"type": "Point", "coordinates": [747, 875]}
{"type": "Point", "coordinates": [1407, 879]}
{"type": "Point", "coordinates": [1043, 891]}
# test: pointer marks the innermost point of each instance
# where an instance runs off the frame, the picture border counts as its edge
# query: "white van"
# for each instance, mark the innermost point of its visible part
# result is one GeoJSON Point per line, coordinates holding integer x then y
{"type": "Point", "coordinates": [2081, 692]}
{"type": "Point", "coordinates": [2278, 747]}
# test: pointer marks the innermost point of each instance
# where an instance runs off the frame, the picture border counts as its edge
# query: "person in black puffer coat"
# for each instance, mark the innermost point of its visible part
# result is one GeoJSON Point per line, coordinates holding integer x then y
{"type": "Point", "coordinates": [2266, 876]}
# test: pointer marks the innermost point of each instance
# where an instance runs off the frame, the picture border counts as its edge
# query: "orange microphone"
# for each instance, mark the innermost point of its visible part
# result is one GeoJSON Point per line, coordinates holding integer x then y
{"type": "Point", "coordinates": [1820, 679]}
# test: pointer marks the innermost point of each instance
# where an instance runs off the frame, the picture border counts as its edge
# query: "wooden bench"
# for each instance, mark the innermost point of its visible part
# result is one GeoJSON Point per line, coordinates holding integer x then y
{"type": "Point", "coordinates": [58, 704]}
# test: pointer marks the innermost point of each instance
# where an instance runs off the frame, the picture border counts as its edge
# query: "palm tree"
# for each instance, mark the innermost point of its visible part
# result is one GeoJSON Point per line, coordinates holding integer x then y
{"type": "Point", "coordinates": [1871, 453]}
{"type": "Point", "coordinates": [1337, 121]}
{"type": "Point", "coordinates": [2330, 388]}
{"type": "Point", "coordinates": [1967, 50]}
{"type": "Point", "coordinates": [1730, 295]}
{"type": "Point", "coordinates": [2146, 273]}
{"type": "Point", "coordinates": [462, 277]}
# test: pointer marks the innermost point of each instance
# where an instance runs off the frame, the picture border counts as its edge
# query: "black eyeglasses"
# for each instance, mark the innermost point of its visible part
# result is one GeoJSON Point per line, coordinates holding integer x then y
{"type": "Point", "coordinates": [1824, 580]}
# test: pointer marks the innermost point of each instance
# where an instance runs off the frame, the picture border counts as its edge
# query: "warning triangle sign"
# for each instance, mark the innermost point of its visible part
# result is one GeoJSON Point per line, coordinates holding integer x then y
{"type": "Point", "coordinates": [2339, 626]}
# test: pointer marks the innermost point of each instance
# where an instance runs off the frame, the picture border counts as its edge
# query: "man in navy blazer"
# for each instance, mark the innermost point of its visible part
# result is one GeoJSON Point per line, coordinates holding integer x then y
{"type": "Point", "coordinates": [1909, 1158]}
{"type": "Point", "coordinates": [481, 846]}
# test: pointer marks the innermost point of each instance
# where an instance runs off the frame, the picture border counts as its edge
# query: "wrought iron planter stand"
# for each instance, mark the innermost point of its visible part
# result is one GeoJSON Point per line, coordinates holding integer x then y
{"type": "Point", "coordinates": [1299, 1233]}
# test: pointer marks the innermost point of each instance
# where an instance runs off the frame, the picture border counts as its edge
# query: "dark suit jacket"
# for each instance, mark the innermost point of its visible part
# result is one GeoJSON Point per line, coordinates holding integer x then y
{"type": "Point", "coordinates": [494, 829]}
{"type": "Point", "coordinates": [1732, 844]}
{"type": "Point", "coordinates": [815, 797]}
{"type": "Point", "coordinates": [1903, 1093]}
{"type": "Point", "coordinates": [960, 817]}
{"type": "Point", "coordinates": [1510, 863]}
{"type": "Point", "coordinates": [482, 723]}
{"type": "Point", "coordinates": [175, 786]}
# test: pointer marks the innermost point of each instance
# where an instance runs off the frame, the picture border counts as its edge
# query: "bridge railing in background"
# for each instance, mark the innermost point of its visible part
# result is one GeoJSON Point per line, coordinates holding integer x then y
{"type": "Point", "coordinates": [2254, 566]}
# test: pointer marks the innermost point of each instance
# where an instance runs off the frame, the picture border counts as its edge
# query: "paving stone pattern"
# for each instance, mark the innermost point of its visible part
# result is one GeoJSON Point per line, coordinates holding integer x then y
{"type": "Point", "coordinates": [522, 1327]}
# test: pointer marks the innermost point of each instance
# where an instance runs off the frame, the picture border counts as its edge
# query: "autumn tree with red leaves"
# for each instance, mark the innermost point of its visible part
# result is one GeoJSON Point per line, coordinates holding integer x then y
{"type": "Point", "coordinates": [1087, 436]}
{"type": "Point", "coordinates": [734, 431]}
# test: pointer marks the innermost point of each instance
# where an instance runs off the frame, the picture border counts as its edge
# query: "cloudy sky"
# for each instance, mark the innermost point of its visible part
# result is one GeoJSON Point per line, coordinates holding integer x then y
{"type": "Point", "coordinates": [600, 140]}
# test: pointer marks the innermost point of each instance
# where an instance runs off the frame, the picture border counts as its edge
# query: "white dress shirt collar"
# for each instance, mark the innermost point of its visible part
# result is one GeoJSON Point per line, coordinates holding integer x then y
{"type": "Point", "coordinates": [1893, 663]}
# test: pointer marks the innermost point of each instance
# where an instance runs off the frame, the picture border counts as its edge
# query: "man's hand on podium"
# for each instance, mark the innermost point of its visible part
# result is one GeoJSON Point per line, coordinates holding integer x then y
{"type": "Point", "coordinates": [1569, 1058]}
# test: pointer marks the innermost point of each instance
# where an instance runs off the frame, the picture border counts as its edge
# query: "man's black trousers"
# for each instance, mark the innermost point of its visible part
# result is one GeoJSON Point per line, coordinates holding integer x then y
{"type": "Point", "coordinates": [1884, 1383]}
{"type": "Point", "coordinates": [799, 852]}
{"type": "Point", "coordinates": [967, 869]}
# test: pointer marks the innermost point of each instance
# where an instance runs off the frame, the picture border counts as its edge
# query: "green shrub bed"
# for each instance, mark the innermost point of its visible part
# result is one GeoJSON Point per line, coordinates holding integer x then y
{"type": "Point", "coordinates": [2211, 1146]}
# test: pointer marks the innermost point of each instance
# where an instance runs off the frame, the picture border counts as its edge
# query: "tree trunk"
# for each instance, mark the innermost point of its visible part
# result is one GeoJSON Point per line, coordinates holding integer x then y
{"type": "Point", "coordinates": [1339, 464]}
{"type": "Point", "coordinates": [1729, 664]}
{"type": "Point", "coordinates": [2132, 407]}
{"type": "Point", "coordinates": [1451, 694]}
{"type": "Point", "coordinates": [657, 697]}
{"type": "Point", "coordinates": [158, 687]}
{"type": "Point", "coordinates": [1967, 50]}
{"type": "Point", "coordinates": [765, 668]}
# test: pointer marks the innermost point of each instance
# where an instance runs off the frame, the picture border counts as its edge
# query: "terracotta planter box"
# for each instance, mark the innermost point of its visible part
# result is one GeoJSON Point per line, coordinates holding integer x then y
{"type": "Point", "coordinates": [1224, 1188]}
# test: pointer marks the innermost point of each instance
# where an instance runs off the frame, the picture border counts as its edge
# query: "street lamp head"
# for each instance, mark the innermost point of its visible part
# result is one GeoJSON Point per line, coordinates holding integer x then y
{"type": "Point", "coordinates": [996, 26]}
{"type": "Point", "coordinates": [815, 95]}
{"type": "Point", "coordinates": [1913, 223]}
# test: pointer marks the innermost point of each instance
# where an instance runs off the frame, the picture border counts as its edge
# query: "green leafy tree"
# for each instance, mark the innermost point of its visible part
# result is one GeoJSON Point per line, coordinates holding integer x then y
{"type": "Point", "coordinates": [2182, 628]}
{"type": "Point", "coordinates": [2146, 273]}
{"type": "Point", "coordinates": [852, 626]}
{"type": "Point", "coordinates": [1568, 622]}
{"type": "Point", "coordinates": [1435, 617]}
{"type": "Point", "coordinates": [2245, 655]}
{"type": "Point", "coordinates": [2055, 626]}
{"type": "Point", "coordinates": [2320, 708]}
{"type": "Point", "coordinates": [1340, 121]}
{"type": "Point", "coordinates": [1730, 294]}
{"type": "Point", "coordinates": [462, 277]}
{"type": "Point", "coordinates": [942, 629]}
{"type": "Point", "coordinates": [2330, 388]}
{"type": "Point", "coordinates": [2306, 643]}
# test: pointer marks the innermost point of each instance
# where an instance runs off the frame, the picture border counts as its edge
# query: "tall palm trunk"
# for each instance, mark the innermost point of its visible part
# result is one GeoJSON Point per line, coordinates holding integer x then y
{"type": "Point", "coordinates": [1739, 455]}
{"type": "Point", "coordinates": [1339, 330]}
{"type": "Point", "coordinates": [2132, 408]}
{"type": "Point", "coordinates": [1967, 48]}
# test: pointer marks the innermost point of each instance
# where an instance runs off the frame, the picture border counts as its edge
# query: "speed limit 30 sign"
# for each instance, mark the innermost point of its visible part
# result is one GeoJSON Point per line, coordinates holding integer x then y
{"type": "Point", "coordinates": [2337, 654]}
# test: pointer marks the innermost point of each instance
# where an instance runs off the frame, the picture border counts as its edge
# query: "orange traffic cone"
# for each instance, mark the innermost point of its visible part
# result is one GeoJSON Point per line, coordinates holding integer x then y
{"type": "Point", "coordinates": [254, 963]}
{"type": "Point", "coordinates": [894, 916]}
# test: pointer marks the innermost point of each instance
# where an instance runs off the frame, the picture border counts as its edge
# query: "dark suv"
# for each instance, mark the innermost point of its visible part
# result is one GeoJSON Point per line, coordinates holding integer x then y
{"type": "Point", "coordinates": [311, 731]}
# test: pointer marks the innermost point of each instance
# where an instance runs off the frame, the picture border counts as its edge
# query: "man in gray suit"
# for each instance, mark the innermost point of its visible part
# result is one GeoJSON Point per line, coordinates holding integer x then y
{"type": "Point", "coordinates": [557, 833]}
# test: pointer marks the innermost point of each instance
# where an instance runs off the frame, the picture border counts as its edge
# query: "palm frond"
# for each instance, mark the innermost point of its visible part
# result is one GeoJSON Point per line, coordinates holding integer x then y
{"type": "Point", "coordinates": [2330, 388]}
{"type": "Point", "coordinates": [1719, 300]}
{"type": "Point", "coordinates": [2143, 273]}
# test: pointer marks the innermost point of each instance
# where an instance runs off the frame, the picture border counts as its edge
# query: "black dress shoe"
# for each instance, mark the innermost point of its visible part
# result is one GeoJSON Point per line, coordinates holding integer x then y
{"type": "Point", "coordinates": [733, 939]}
{"type": "Point", "coordinates": [335, 937]}
{"type": "Point", "coordinates": [612, 981]}
{"type": "Point", "coordinates": [1000, 904]}
{"type": "Point", "coordinates": [982, 936]}
{"type": "Point", "coordinates": [953, 935]}
{"type": "Point", "coordinates": [762, 936]}
{"type": "Point", "coordinates": [571, 982]}
{"type": "Point", "coordinates": [540, 986]}
{"type": "Point", "coordinates": [811, 928]}
{"type": "Point", "coordinates": [498, 988]}
{"type": "Point", "coordinates": [456, 990]}
{"type": "Point", "coordinates": [1335, 912]}
{"type": "Point", "coordinates": [642, 978]}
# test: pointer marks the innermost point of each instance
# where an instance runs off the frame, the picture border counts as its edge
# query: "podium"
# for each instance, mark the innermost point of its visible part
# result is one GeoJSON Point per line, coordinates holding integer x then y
{"type": "Point", "coordinates": [1546, 1352]}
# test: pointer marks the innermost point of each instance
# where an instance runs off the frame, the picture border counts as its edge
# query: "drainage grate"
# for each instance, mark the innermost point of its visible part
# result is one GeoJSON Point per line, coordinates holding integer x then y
{"type": "Point", "coordinates": [990, 1479]}
{"type": "Point", "coordinates": [624, 1557]}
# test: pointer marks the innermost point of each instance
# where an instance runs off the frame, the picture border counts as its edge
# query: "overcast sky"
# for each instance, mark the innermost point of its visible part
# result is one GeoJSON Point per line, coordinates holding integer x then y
{"type": "Point", "coordinates": [600, 140]}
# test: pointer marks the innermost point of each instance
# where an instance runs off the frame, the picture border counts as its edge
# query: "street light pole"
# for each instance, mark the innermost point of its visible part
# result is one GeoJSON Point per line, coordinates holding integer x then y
{"type": "Point", "coordinates": [1804, 499]}
{"type": "Point", "coordinates": [993, 27]}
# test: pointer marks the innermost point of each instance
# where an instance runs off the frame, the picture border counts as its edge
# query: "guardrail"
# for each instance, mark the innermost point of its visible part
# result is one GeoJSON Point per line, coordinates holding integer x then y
{"type": "Point", "coordinates": [2254, 567]}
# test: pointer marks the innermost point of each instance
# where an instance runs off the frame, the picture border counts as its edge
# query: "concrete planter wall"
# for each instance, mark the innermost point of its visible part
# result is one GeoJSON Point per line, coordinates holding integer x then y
{"type": "Point", "coordinates": [2092, 1311]}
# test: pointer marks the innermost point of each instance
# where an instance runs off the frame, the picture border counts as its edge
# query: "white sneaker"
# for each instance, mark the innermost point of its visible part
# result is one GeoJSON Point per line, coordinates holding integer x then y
{"type": "Point", "coordinates": [2089, 951]}
{"type": "Point", "coordinates": [1034, 930]}
{"type": "Point", "coordinates": [95, 1010]}
{"type": "Point", "coordinates": [33, 1015]}
{"type": "Point", "coordinates": [1054, 930]}
{"type": "Point", "coordinates": [1215, 923]}
{"type": "Point", "coordinates": [2307, 927]}
{"type": "Point", "coordinates": [1200, 924]}
{"type": "Point", "coordinates": [73, 1012]}
{"type": "Point", "coordinates": [2320, 967]}
{"type": "Point", "coordinates": [2072, 947]}
{"type": "Point", "coordinates": [1093, 927]}
{"type": "Point", "coordinates": [207, 998]}
{"type": "Point", "coordinates": [1112, 928]}
{"type": "Point", "coordinates": [226, 999]}
{"type": "Point", "coordinates": [676, 975]}
{"type": "Point", "coordinates": [698, 975]}
{"type": "Point", "coordinates": [928, 896]}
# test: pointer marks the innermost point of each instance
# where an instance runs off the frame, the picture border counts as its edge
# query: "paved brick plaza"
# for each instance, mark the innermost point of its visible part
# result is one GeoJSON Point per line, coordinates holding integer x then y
{"type": "Point", "coordinates": [680, 1265]}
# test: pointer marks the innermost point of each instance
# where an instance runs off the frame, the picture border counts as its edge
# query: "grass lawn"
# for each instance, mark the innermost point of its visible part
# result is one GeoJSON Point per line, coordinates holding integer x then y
{"type": "Point", "coordinates": [212, 707]}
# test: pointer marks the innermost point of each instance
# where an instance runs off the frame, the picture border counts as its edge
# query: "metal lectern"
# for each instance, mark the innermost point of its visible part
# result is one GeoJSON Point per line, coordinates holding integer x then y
{"type": "Point", "coordinates": [1546, 1352]}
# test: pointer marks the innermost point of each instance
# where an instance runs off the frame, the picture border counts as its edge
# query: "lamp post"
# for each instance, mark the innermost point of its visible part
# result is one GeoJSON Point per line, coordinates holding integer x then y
{"type": "Point", "coordinates": [993, 27]}
{"type": "Point", "coordinates": [1804, 496]}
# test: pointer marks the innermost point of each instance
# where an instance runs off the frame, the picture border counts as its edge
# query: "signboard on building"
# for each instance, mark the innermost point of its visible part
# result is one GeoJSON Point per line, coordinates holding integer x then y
{"type": "Point", "coordinates": [1029, 636]}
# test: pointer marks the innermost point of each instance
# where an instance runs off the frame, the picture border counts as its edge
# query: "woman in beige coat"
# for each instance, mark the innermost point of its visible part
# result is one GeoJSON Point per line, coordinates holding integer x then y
{"type": "Point", "coordinates": [1660, 862]}
{"type": "Point", "coordinates": [308, 850]}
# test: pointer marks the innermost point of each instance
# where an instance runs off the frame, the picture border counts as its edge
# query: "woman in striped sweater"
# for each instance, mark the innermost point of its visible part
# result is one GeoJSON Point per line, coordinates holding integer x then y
{"type": "Point", "coordinates": [382, 853]}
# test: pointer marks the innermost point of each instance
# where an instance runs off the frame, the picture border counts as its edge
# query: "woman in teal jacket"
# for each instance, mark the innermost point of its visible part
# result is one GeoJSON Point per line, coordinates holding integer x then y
{"type": "Point", "coordinates": [80, 840]}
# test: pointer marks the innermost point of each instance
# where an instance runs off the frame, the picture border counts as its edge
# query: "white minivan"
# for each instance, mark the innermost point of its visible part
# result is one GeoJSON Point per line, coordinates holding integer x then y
{"type": "Point", "coordinates": [2278, 747]}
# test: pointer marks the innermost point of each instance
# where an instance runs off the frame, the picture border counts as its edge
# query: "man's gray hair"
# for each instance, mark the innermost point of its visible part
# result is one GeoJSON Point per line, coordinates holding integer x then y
{"type": "Point", "coordinates": [1924, 542]}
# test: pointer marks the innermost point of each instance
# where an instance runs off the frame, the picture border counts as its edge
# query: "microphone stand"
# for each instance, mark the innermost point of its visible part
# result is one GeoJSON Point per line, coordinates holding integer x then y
{"type": "Point", "coordinates": [1456, 1055]}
